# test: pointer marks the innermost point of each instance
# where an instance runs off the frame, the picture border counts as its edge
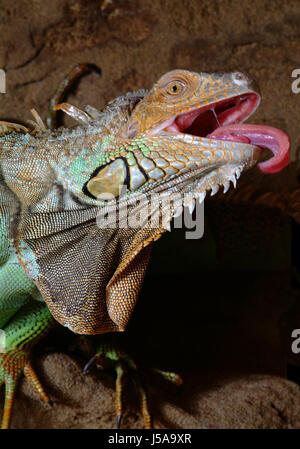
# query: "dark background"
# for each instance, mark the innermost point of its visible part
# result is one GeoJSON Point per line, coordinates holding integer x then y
{"type": "Point", "coordinates": [219, 310]}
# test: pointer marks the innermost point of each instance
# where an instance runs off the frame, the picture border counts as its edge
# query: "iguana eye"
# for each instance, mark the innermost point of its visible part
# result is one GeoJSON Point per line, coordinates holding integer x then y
{"type": "Point", "coordinates": [175, 88]}
{"type": "Point", "coordinates": [106, 183]}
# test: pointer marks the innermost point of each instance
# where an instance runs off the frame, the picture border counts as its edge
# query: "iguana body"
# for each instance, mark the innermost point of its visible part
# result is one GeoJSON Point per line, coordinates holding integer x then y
{"type": "Point", "coordinates": [180, 140]}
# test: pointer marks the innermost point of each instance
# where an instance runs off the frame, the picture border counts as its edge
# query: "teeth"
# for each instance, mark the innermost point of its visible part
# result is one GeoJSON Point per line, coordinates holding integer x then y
{"type": "Point", "coordinates": [201, 197]}
{"type": "Point", "coordinates": [190, 203]}
{"type": "Point", "coordinates": [187, 200]}
{"type": "Point", "coordinates": [178, 212]}
{"type": "Point", "coordinates": [188, 138]}
{"type": "Point", "coordinates": [191, 206]}
{"type": "Point", "coordinates": [226, 186]}
{"type": "Point", "coordinates": [233, 180]}
{"type": "Point", "coordinates": [214, 190]}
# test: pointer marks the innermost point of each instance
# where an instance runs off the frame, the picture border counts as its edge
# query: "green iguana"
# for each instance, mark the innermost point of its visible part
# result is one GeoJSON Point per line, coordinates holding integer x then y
{"type": "Point", "coordinates": [66, 255]}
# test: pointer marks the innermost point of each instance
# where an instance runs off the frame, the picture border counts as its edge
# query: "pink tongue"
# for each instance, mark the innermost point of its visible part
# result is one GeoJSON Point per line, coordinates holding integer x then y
{"type": "Point", "coordinates": [261, 136]}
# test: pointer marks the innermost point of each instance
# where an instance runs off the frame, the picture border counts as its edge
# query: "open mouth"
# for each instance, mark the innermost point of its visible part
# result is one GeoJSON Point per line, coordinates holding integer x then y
{"type": "Point", "coordinates": [223, 120]}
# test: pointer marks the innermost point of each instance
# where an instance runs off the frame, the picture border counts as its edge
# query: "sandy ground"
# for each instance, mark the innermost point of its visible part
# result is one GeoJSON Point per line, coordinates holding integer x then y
{"type": "Point", "coordinates": [231, 353]}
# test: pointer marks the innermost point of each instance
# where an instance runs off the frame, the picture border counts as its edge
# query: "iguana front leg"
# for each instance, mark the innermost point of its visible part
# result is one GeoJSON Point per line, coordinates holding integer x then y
{"type": "Point", "coordinates": [28, 326]}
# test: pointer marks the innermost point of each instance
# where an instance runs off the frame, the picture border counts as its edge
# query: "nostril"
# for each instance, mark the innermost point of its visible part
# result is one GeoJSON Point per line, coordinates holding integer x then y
{"type": "Point", "coordinates": [240, 78]}
{"type": "Point", "coordinates": [243, 79]}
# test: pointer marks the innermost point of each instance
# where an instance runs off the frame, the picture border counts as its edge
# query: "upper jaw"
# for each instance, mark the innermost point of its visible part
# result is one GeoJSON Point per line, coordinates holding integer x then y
{"type": "Point", "coordinates": [201, 121]}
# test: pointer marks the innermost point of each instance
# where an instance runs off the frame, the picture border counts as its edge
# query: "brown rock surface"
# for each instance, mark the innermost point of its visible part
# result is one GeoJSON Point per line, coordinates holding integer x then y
{"type": "Point", "coordinates": [257, 401]}
{"type": "Point", "coordinates": [134, 42]}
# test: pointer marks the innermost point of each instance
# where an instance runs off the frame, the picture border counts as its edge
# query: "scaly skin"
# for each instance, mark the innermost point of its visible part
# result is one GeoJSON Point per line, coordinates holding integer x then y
{"type": "Point", "coordinates": [55, 260]}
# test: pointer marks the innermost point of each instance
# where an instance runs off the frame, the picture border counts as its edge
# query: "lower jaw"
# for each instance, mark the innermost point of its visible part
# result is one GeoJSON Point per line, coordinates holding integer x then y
{"type": "Point", "coordinates": [219, 179]}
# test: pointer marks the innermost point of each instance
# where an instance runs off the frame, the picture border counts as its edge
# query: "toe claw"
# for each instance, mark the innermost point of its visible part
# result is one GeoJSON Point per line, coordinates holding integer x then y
{"type": "Point", "coordinates": [118, 422]}
{"type": "Point", "coordinates": [91, 362]}
{"type": "Point", "coordinates": [169, 376]}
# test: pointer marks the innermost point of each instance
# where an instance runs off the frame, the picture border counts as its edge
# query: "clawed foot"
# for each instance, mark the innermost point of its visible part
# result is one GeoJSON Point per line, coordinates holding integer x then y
{"type": "Point", "coordinates": [12, 365]}
{"type": "Point", "coordinates": [110, 355]}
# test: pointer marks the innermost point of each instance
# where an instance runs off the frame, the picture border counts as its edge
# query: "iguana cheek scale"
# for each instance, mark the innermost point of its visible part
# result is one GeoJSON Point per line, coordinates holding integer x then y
{"type": "Point", "coordinates": [185, 136]}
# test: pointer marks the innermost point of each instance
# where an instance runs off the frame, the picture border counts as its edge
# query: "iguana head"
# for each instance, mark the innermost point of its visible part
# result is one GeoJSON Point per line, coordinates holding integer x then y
{"type": "Point", "coordinates": [206, 105]}
{"type": "Point", "coordinates": [186, 136]}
